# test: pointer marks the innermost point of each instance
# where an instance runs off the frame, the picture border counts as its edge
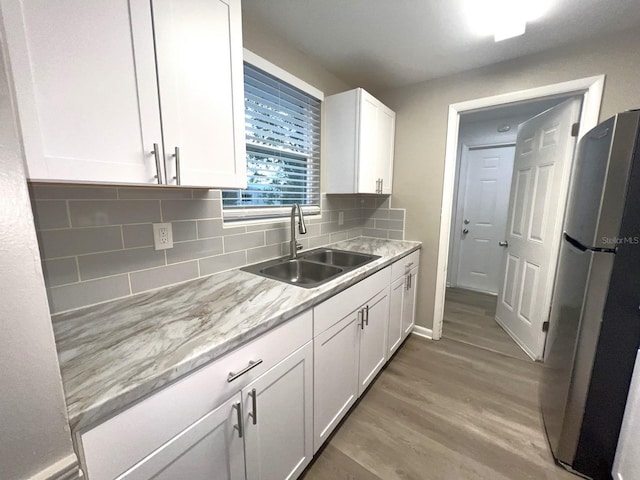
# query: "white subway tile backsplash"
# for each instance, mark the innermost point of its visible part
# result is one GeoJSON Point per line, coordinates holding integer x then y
{"type": "Point", "coordinates": [244, 241]}
{"type": "Point", "coordinates": [160, 193]}
{"type": "Point", "coordinates": [140, 235]}
{"type": "Point", "coordinates": [71, 192]}
{"type": "Point", "coordinates": [223, 262]}
{"type": "Point", "coordinates": [215, 228]}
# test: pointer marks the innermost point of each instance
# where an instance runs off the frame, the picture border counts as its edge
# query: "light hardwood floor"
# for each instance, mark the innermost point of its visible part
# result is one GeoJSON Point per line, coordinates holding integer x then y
{"type": "Point", "coordinates": [469, 317]}
{"type": "Point", "coordinates": [445, 410]}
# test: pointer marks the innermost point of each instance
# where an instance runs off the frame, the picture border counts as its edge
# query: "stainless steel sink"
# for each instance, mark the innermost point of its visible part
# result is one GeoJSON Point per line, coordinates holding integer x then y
{"type": "Point", "coordinates": [311, 269]}
{"type": "Point", "coordinates": [339, 258]}
{"type": "Point", "coordinates": [301, 272]}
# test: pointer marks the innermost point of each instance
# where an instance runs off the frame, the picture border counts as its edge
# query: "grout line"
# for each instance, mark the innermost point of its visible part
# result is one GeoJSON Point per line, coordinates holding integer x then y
{"type": "Point", "coordinates": [78, 269]}
{"type": "Point", "coordinates": [129, 281]}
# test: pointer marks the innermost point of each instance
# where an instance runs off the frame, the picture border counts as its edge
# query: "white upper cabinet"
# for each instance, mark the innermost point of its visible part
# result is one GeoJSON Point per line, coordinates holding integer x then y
{"type": "Point", "coordinates": [199, 55]}
{"type": "Point", "coordinates": [360, 134]}
{"type": "Point", "coordinates": [92, 101]}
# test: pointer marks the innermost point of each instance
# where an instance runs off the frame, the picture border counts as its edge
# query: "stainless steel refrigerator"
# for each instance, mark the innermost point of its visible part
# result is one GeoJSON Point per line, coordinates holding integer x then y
{"type": "Point", "coordinates": [594, 330]}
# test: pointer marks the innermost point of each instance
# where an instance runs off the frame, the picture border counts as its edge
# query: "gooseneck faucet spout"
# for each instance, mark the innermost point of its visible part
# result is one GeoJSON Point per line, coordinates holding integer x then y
{"type": "Point", "coordinates": [302, 228]}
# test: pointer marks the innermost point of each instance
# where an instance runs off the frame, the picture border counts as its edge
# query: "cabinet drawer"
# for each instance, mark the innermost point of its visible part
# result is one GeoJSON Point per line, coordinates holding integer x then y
{"type": "Point", "coordinates": [120, 442]}
{"type": "Point", "coordinates": [402, 266]}
{"type": "Point", "coordinates": [333, 310]}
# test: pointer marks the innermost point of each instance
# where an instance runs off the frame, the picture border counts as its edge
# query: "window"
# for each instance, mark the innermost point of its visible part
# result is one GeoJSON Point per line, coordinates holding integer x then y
{"type": "Point", "coordinates": [282, 126]}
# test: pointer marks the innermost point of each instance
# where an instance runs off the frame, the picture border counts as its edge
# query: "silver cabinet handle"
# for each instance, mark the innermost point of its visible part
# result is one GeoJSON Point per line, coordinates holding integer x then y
{"type": "Point", "coordinates": [238, 407]}
{"type": "Point", "coordinates": [366, 316]}
{"type": "Point", "coordinates": [381, 184]}
{"type": "Point", "coordinates": [410, 281]}
{"type": "Point", "coordinates": [407, 279]}
{"type": "Point", "coordinates": [361, 318]}
{"type": "Point", "coordinates": [156, 153]}
{"type": "Point", "coordinates": [465, 230]}
{"type": "Point", "coordinates": [254, 405]}
{"type": "Point", "coordinates": [176, 155]}
{"type": "Point", "coordinates": [503, 243]}
{"type": "Point", "coordinates": [232, 376]}
{"type": "Point", "coordinates": [466, 221]}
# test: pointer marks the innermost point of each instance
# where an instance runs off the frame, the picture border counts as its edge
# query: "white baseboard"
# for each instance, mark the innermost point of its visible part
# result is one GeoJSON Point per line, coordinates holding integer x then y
{"type": "Point", "coordinates": [422, 332]}
{"type": "Point", "coordinates": [65, 469]}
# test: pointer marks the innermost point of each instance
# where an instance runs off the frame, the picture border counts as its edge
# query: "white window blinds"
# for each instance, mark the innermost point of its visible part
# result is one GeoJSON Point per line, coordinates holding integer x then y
{"type": "Point", "coordinates": [283, 149]}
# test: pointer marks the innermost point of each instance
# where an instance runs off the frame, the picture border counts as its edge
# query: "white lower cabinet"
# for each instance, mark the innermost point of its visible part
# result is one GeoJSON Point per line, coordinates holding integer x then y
{"type": "Point", "coordinates": [395, 314]}
{"type": "Point", "coordinates": [278, 419]}
{"type": "Point", "coordinates": [210, 448]}
{"type": "Point", "coordinates": [402, 309]}
{"type": "Point", "coordinates": [350, 345]}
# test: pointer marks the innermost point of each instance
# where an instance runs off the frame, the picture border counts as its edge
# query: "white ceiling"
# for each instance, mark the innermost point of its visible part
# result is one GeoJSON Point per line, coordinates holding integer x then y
{"type": "Point", "coordinates": [380, 44]}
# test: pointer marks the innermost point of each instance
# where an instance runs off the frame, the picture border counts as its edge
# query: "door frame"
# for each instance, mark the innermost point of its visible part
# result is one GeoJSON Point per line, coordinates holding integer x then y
{"type": "Point", "coordinates": [591, 89]}
{"type": "Point", "coordinates": [461, 171]}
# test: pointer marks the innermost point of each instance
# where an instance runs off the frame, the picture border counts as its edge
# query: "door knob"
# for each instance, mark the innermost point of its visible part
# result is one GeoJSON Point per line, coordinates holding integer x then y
{"type": "Point", "coordinates": [503, 243]}
{"type": "Point", "coordinates": [466, 221]}
{"type": "Point", "coordinates": [465, 231]}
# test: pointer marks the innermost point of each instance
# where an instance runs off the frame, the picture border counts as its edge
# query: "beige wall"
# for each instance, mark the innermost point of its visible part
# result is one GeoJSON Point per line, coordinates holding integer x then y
{"type": "Point", "coordinates": [278, 51]}
{"type": "Point", "coordinates": [422, 121]}
{"type": "Point", "coordinates": [35, 440]}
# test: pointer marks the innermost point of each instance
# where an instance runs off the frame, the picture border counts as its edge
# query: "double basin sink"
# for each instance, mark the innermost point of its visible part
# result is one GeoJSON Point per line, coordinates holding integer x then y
{"type": "Point", "coordinates": [313, 268]}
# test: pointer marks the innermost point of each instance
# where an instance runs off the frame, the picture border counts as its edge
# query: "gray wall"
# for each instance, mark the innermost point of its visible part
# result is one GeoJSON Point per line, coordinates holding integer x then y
{"type": "Point", "coordinates": [421, 126]}
{"type": "Point", "coordinates": [35, 439]}
{"type": "Point", "coordinates": [97, 242]}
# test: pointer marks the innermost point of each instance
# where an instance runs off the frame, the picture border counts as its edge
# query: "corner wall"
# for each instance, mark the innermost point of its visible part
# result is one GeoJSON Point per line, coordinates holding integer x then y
{"type": "Point", "coordinates": [35, 440]}
{"type": "Point", "coordinates": [421, 125]}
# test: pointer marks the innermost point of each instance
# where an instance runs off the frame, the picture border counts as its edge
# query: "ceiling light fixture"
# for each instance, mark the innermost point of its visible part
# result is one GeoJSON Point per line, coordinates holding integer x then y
{"type": "Point", "coordinates": [504, 18]}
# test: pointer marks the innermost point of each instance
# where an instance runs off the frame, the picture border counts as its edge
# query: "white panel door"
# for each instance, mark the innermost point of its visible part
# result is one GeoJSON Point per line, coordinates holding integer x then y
{"type": "Point", "coordinates": [485, 200]}
{"type": "Point", "coordinates": [335, 380]}
{"type": "Point", "coordinates": [199, 55]}
{"type": "Point", "coordinates": [278, 418]}
{"type": "Point", "coordinates": [542, 166]}
{"type": "Point", "coordinates": [86, 89]}
{"type": "Point", "coordinates": [394, 336]}
{"type": "Point", "coordinates": [210, 448]}
{"type": "Point", "coordinates": [374, 322]}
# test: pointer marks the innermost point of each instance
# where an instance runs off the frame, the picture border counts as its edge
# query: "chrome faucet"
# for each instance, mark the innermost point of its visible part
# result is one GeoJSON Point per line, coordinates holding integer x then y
{"type": "Point", "coordinates": [302, 228]}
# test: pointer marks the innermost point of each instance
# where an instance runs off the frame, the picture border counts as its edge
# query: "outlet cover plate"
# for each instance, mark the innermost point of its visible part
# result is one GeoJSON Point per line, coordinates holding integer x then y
{"type": "Point", "coordinates": [162, 236]}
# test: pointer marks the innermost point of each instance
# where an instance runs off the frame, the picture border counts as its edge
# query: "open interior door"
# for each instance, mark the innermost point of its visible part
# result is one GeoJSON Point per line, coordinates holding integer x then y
{"type": "Point", "coordinates": [541, 172]}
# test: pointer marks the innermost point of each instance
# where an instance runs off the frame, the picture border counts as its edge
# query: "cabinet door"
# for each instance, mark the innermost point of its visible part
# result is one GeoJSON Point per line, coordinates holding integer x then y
{"type": "Point", "coordinates": [409, 304]}
{"type": "Point", "coordinates": [368, 153]}
{"type": "Point", "coordinates": [394, 337]}
{"type": "Point", "coordinates": [86, 89]}
{"type": "Point", "coordinates": [386, 127]}
{"type": "Point", "coordinates": [373, 338]}
{"type": "Point", "coordinates": [199, 55]}
{"type": "Point", "coordinates": [278, 418]}
{"type": "Point", "coordinates": [210, 448]}
{"type": "Point", "coordinates": [335, 381]}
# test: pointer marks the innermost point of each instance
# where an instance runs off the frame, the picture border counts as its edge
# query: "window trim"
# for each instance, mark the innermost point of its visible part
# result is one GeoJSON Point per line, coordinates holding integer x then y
{"type": "Point", "coordinates": [241, 216]}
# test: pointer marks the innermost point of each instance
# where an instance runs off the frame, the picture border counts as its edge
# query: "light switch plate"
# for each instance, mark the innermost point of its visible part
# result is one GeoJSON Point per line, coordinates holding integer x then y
{"type": "Point", "coordinates": [162, 236]}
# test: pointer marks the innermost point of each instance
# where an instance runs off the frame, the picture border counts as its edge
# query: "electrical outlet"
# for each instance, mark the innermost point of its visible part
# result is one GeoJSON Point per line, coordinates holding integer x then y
{"type": "Point", "coordinates": [162, 236]}
{"type": "Point", "coordinates": [340, 218]}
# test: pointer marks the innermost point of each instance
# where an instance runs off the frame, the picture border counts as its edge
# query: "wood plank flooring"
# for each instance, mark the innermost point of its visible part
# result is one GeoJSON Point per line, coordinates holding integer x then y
{"type": "Point", "coordinates": [445, 410]}
{"type": "Point", "coordinates": [469, 317]}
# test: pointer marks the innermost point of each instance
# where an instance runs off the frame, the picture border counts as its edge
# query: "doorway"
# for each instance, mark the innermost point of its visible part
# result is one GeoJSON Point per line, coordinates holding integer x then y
{"type": "Point", "coordinates": [478, 190]}
{"type": "Point", "coordinates": [486, 151]}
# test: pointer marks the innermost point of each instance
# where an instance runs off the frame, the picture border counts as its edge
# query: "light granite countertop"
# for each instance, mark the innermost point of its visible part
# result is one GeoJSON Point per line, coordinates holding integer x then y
{"type": "Point", "coordinates": [113, 354]}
